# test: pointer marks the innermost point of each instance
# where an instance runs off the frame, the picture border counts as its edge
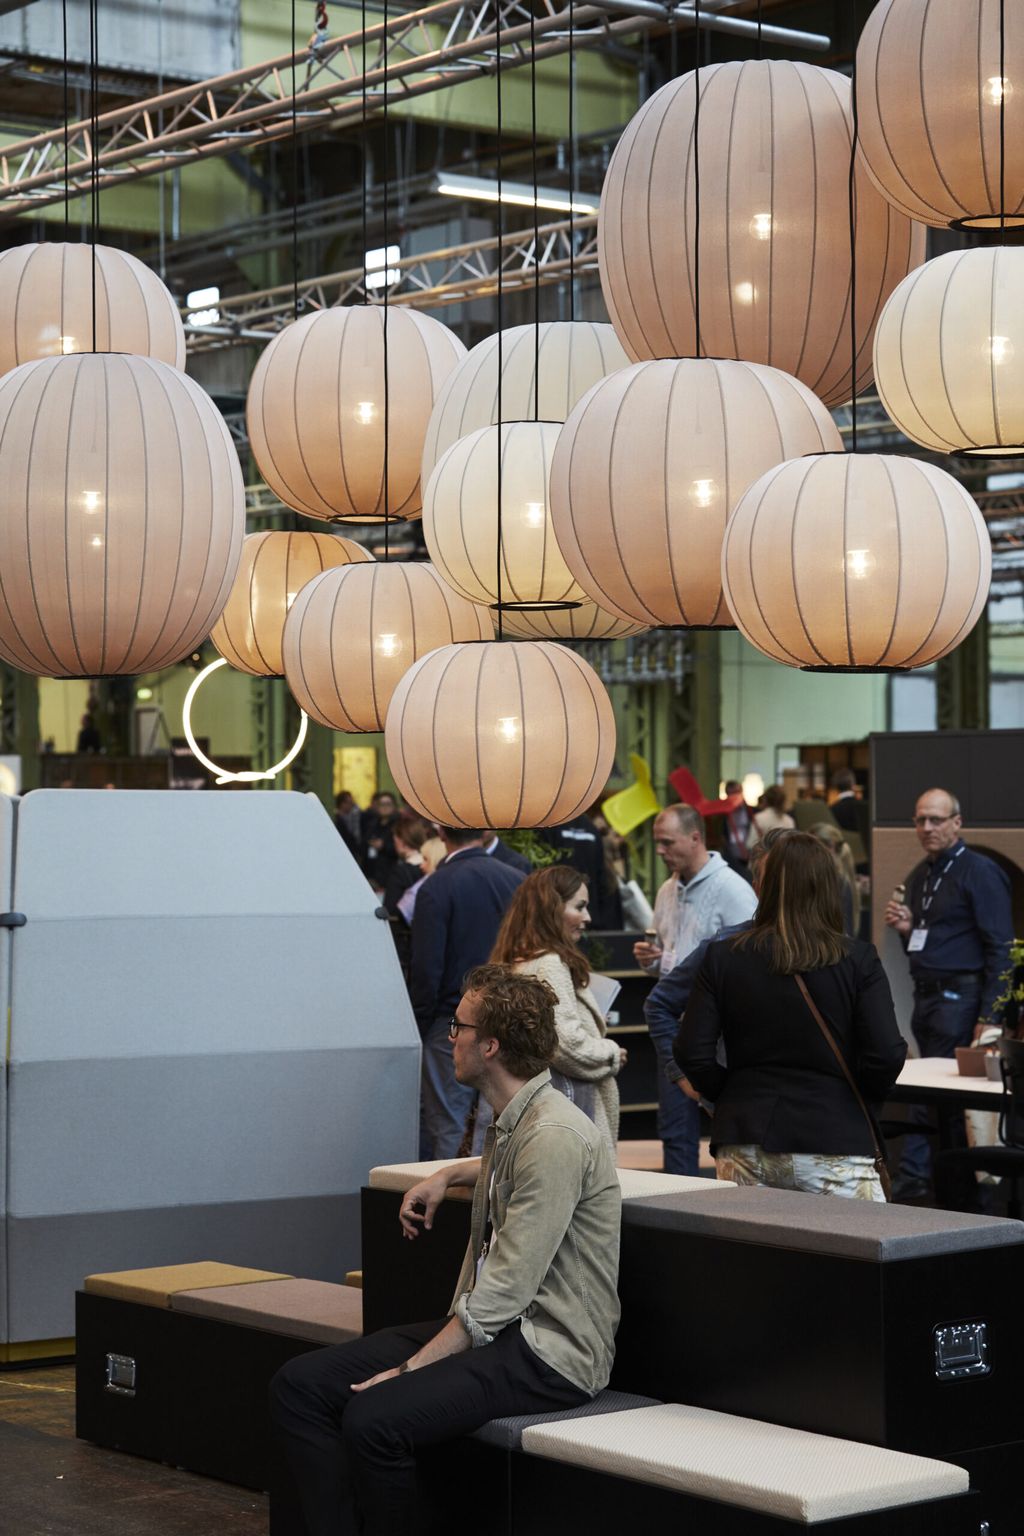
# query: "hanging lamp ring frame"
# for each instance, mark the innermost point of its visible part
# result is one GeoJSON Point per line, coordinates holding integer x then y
{"type": "Point", "coordinates": [226, 775]}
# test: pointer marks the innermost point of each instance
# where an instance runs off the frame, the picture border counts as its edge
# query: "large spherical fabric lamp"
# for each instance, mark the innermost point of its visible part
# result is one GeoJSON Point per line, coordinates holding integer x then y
{"type": "Point", "coordinates": [856, 562]}
{"type": "Point", "coordinates": [355, 630]}
{"type": "Point", "coordinates": [520, 734]}
{"type": "Point", "coordinates": [46, 305]}
{"type": "Point", "coordinates": [586, 622]}
{"type": "Point", "coordinates": [573, 355]}
{"type": "Point", "coordinates": [649, 466]}
{"type": "Point", "coordinates": [274, 568]}
{"type": "Point", "coordinates": [316, 411]}
{"type": "Point", "coordinates": [931, 96]}
{"type": "Point", "coordinates": [774, 226]}
{"type": "Point", "coordinates": [122, 513]}
{"type": "Point", "coordinates": [949, 353]}
{"type": "Point", "coordinates": [460, 518]}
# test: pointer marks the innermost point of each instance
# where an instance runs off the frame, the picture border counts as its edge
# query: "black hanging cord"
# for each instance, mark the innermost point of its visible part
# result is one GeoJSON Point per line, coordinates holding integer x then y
{"type": "Point", "coordinates": [696, 173]}
{"type": "Point", "coordinates": [295, 183]}
{"type": "Point", "coordinates": [94, 80]}
{"type": "Point", "coordinates": [572, 162]}
{"type": "Point", "coordinates": [67, 201]}
{"type": "Point", "coordinates": [760, 23]}
{"type": "Point", "coordinates": [1002, 117]}
{"type": "Point", "coordinates": [385, 173]}
{"type": "Point", "coordinates": [536, 222]}
{"type": "Point", "coordinates": [852, 201]}
{"type": "Point", "coordinates": [501, 294]}
{"type": "Point", "coordinates": [365, 157]}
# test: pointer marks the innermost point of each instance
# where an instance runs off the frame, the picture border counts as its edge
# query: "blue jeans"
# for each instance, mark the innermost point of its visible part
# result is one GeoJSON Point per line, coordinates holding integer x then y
{"type": "Point", "coordinates": [444, 1103]}
{"type": "Point", "coordinates": [678, 1127]}
{"type": "Point", "coordinates": [940, 1022]}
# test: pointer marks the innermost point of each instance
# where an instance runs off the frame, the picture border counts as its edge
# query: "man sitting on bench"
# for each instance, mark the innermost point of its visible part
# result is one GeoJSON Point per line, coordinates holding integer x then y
{"type": "Point", "coordinates": [532, 1325]}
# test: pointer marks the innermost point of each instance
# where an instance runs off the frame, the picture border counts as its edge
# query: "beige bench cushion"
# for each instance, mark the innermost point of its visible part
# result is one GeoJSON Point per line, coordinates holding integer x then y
{"type": "Point", "coordinates": [635, 1183]}
{"type": "Point", "coordinates": [303, 1309]}
{"type": "Point", "coordinates": [155, 1287]}
{"type": "Point", "coordinates": [788, 1473]}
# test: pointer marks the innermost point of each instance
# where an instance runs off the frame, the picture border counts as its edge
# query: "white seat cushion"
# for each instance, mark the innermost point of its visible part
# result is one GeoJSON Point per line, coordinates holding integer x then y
{"type": "Point", "coordinates": [636, 1183]}
{"type": "Point", "coordinates": [788, 1473]}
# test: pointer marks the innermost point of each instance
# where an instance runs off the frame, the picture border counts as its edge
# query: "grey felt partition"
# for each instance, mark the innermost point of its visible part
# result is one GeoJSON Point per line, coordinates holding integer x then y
{"type": "Point", "coordinates": [210, 1042]}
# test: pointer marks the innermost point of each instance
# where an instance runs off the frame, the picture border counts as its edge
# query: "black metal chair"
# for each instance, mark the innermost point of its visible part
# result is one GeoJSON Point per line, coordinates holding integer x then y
{"type": "Point", "coordinates": [1007, 1159]}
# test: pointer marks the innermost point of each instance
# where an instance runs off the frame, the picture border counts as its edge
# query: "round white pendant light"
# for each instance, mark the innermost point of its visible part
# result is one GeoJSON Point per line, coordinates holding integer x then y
{"type": "Point", "coordinates": [949, 353]}
{"type": "Point", "coordinates": [650, 464]}
{"type": "Point", "coordinates": [585, 622]}
{"type": "Point", "coordinates": [774, 227]}
{"type": "Point", "coordinates": [520, 734]}
{"type": "Point", "coordinates": [461, 522]}
{"type": "Point", "coordinates": [316, 411]}
{"type": "Point", "coordinates": [353, 632]}
{"type": "Point", "coordinates": [572, 354]}
{"type": "Point", "coordinates": [856, 562]}
{"type": "Point", "coordinates": [274, 568]}
{"type": "Point", "coordinates": [934, 102]}
{"type": "Point", "coordinates": [122, 515]}
{"type": "Point", "coordinates": [46, 305]}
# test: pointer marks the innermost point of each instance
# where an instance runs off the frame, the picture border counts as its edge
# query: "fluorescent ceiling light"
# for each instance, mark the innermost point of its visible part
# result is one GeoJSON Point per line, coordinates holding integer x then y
{"type": "Point", "coordinates": [379, 274]}
{"type": "Point", "coordinates": [519, 193]}
{"type": "Point", "coordinates": [197, 299]}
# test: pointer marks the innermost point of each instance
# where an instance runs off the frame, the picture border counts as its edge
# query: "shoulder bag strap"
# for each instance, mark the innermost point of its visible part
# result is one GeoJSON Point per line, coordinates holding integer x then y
{"type": "Point", "coordinates": [880, 1166]}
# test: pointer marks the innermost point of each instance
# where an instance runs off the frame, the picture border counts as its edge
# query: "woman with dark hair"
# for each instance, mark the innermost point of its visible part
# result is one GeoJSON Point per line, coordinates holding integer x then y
{"type": "Point", "coordinates": [771, 813]}
{"type": "Point", "coordinates": [408, 832]}
{"type": "Point", "coordinates": [540, 936]}
{"type": "Point", "coordinates": [785, 1113]}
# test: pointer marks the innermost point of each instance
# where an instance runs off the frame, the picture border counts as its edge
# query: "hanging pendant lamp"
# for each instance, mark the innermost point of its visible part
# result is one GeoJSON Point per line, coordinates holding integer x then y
{"type": "Point", "coordinates": [941, 107]}
{"type": "Point", "coordinates": [122, 517]}
{"type": "Point", "coordinates": [774, 151]}
{"type": "Point", "coordinates": [275, 566]}
{"type": "Point", "coordinates": [856, 563]}
{"type": "Point", "coordinates": [46, 305]}
{"type": "Point", "coordinates": [528, 737]}
{"type": "Point", "coordinates": [650, 464]}
{"type": "Point", "coordinates": [586, 621]}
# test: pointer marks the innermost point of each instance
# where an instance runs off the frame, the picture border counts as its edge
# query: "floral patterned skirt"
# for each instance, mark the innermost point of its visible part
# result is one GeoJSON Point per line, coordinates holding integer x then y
{"type": "Point", "coordinates": [816, 1174]}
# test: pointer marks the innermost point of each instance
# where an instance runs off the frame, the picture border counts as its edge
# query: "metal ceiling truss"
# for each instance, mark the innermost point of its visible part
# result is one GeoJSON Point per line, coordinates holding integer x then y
{"type": "Point", "coordinates": [455, 275]}
{"type": "Point", "coordinates": [423, 50]}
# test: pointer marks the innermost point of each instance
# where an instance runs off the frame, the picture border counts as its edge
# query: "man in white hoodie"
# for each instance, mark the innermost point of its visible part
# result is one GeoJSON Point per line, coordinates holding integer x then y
{"type": "Point", "coordinates": [701, 896]}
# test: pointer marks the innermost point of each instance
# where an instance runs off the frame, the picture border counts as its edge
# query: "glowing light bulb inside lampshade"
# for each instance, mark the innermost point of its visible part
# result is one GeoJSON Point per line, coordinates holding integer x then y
{"type": "Point", "coordinates": [68, 345]}
{"type": "Point", "coordinates": [533, 514]}
{"type": "Point", "coordinates": [745, 293]}
{"type": "Point", "coordinates": [366, 411]}
{"type": "Point", "coordinates": [761, 226]}
{"type": "Point", "coordinates": [508, 729]}
{"type": "Point", "coordinates": [996, 88]}
{"type": "Point", "coordinates": [703, 492]}
{"type": "Point", "coordinates": [859, 563]}
{"type": "Point", "coordinates": [91, 500]}
{"type": "Point", "coordinates": [1000, 349]}
{"type": "Point", "coordinates": [389, 645]}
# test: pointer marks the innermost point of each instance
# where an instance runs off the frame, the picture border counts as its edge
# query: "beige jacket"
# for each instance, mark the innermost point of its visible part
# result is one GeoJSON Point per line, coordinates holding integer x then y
{"type": "Point", "coordinates": [553, 1260]}
{"type": "Point", "coordinates": [583, 1051]}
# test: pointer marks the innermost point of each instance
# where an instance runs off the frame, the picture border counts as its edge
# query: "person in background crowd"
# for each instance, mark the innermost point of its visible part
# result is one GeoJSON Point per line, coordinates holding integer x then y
{"type": "Point", "coordinates": [771, 813]}
{"type": "Point", "coordinates": [500, 850]}
{"type": "Point", "coordinates": [785, 1114]}
{"type": "Point", "coordinates": [540, 936]}
{"type": "Point", "coordinates": [433, 853]}
{"type": "Point", "coordinates": [409, 832]}
{"type": "Point", "coordinates": [735, 832]}
{"type": "Point", "coordinates": [532, 1325]}
{"type": "Point", "coordinates": [454, 925]}
{"type": "Point", "coordinates": [844, 806]}
{"type": "Point", "coordinates": [666, 1002]}
{"type": "Point", "coordinates": [347, 817]}
{"type": "Point", "coordinates": [956, 925]}
{"type": "Point", "coordinates": [88, 736]}
{"type": "Point", "coordinates": [379, 856]}
{"type": "Point", "coordinates": [831, 838]}
{"type": "Point", "coordinates": [701, 896]}
{"type": "Point", "coordinates": [581, 845]}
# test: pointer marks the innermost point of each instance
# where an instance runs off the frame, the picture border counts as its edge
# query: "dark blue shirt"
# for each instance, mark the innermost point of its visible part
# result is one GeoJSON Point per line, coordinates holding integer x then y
{"type": "Point", "coordinates": [969, 919]}
{"type": "Point", "coordinates": [666, 1002]}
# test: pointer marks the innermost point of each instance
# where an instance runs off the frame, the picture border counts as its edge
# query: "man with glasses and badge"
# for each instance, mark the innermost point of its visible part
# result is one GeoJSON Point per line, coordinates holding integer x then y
{"type": "Point", "coordinates": [955, 920]}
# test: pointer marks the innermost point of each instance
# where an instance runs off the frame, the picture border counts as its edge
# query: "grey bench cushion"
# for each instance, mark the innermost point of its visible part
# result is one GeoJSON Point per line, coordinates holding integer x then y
{"type": "Point", "coordinates": [856, 1229]}
{"type": "Point", "coordinates": [507, 1433]}
{"type": "Point", "coordinates": [302, 1309]}
{"type": "Point", "coordinates": [788, 1473]}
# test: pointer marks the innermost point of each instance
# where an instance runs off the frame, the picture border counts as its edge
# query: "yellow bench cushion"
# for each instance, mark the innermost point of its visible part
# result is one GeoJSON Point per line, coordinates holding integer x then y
{"type": "Point", "coordinates": [155, 1287]}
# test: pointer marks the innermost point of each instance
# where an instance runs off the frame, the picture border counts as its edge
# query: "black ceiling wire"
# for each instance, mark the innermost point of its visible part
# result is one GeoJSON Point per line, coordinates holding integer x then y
{"type": "Point", "coordinates": [536, 221]}
{"type": "Point", "coordinates": [94, 43]}
{"type": "Point", "coordinates": [501, 295]}
{"type": "Point", "coordinates": [295, 183]}
{"type": "Point", "coordinates": [696, 174]}
{"type": "Point", "coordinates": [365, 156]}
{"type": "Point", "coordinates": [1002, 117]}
{"type": "Point", "coordinates": [385, 174]}
{"type": "Point", "coordinates": [852, 201]}
{"type": "Point", "coordinates": [67, 202]}
{"type": "Point", "coordinates": [760, 24]}
{"type": "Point", "coordinates": [572, 163]}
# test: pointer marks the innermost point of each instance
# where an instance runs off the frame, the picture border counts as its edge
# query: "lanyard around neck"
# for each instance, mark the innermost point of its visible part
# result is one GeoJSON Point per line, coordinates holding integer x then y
{"type": "Point", "coordinates": [929, 891]}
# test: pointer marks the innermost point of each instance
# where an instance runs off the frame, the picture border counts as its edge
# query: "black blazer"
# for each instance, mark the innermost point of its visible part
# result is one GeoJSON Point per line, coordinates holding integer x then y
{"type": "Point", "coordinates": [783, 1089]}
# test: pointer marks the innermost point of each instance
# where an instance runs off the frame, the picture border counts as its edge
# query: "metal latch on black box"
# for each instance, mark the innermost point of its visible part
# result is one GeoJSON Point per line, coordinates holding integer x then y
{"type": "Point", "coordinates": [120, 1375]}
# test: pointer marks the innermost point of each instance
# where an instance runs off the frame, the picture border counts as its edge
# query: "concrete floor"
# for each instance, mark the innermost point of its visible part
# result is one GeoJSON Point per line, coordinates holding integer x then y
{"type": "Point", "coordinates": [55, 1485]}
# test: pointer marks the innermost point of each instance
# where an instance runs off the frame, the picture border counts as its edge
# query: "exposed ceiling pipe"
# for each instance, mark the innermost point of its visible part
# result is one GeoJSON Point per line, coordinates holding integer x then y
{"type": "Point", "coordinates": [715, 21]}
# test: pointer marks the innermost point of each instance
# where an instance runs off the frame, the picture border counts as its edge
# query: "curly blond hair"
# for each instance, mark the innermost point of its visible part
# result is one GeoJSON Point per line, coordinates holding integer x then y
{"type": "Point", "coordinates": [519, 1012]}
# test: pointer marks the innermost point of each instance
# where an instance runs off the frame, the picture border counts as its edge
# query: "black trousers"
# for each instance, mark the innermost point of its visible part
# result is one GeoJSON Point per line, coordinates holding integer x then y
{"type": "Point", "coordinates": [352, 1454]}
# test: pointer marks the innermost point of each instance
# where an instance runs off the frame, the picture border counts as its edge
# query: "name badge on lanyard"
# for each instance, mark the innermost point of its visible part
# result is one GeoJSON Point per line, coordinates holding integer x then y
{"type": "Point", "coordinates": [918, 940]}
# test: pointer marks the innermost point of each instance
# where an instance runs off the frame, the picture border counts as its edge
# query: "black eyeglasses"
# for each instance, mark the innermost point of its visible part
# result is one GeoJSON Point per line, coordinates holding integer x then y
{"type": "Point", "coordinates": [932, 821]}
{"type": "Point", "coordinates": [454, 1025]}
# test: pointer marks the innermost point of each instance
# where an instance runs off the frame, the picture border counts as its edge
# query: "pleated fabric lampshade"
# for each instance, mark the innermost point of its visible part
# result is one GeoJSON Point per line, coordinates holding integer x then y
{"type": "Point", "coordinates": [46, 305]}
{"type": "Point", "coordinates": [856, 562]}
{"type": "Point", "coordinates": [650, 464]}
{"type": "Point", "coordinates": [316, 410]}
{"type": "Point", "coordinates": [775, 142]}
{"type": "Point", "coordinates": [353, 631]}
{"type": "Point", "coordinates": [573, 354]}
{"type": "Point", "coordinates": [949, 353]}
{"type": "Point", "coordinates": [121, 517]}
{"type": "Point", "coordinates": [274, 568]}
{"type": "Point", "coordinates": [929, 93]}
{"type": "Point", "coordinates": [520, 734]}
{"type": "Point", "coordinates": [460, 517]}
{"type": "Point", "coordinates": [587, 622]}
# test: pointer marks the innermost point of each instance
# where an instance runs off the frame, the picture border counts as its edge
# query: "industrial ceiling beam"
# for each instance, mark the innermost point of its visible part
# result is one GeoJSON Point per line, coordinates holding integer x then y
{"type": "Point", "coordinates": [425, 50]}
